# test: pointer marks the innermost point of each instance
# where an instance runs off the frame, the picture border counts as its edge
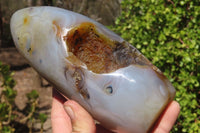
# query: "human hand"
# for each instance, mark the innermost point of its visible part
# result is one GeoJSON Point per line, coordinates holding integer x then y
{"type": "Point", "coordinates": [67, 116]}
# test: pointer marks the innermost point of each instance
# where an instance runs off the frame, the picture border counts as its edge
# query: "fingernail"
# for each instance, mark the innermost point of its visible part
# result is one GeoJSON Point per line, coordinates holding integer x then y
{"type": "Point", "coordinates": [69, 111]}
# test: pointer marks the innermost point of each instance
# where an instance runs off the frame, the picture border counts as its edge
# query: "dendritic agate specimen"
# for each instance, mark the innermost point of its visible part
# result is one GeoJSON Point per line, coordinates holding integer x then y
{"type": "Point", "coordinates": [87, 62]}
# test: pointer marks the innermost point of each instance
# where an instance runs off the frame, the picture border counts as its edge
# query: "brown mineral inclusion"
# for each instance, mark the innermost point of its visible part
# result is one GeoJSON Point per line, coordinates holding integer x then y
{"type": "Point", "coordinates": [98, 52]}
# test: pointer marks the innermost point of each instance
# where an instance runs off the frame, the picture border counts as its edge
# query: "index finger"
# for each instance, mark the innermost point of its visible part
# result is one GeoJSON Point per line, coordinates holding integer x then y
{"type": "Point", "coordinates": [59, 118]}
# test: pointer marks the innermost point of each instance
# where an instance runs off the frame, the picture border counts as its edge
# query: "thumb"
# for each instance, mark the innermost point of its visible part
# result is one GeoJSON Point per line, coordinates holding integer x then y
{"type": "Point", "coordinates": [81, 120]}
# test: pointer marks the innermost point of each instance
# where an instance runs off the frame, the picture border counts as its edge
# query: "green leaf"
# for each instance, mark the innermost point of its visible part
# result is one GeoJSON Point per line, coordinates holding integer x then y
{"type": "Point", "coordinates": [33, 95]}
{"type": "Point", "coordinates": [42, 117]}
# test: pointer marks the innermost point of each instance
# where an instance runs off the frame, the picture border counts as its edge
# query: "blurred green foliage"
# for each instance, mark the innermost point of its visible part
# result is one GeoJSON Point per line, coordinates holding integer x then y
{"type": "Point", "coordinates": [10, 114]}
{"type": "Point", "coordinates": [168, 34]}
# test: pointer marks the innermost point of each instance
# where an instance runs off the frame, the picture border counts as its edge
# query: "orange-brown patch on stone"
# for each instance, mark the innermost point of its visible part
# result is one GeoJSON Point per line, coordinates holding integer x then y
{"type": "Point", "coordinates": [26, 20]}
{"type": "Point", "coordinates": [57, 28]}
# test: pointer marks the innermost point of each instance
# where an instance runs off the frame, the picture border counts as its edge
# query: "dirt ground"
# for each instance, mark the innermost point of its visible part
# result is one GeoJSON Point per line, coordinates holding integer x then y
{"type": "Point", "coordinates": [27, 79]}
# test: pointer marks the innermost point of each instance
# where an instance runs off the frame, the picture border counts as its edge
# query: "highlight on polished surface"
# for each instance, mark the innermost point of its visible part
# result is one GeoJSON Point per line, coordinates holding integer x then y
{"type": "Point", "coordinates": [92, 65]}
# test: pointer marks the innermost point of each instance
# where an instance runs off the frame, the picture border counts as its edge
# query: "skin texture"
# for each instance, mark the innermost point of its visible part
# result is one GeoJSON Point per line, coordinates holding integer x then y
{"type": "Point", "coordinates": [68, 116]}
